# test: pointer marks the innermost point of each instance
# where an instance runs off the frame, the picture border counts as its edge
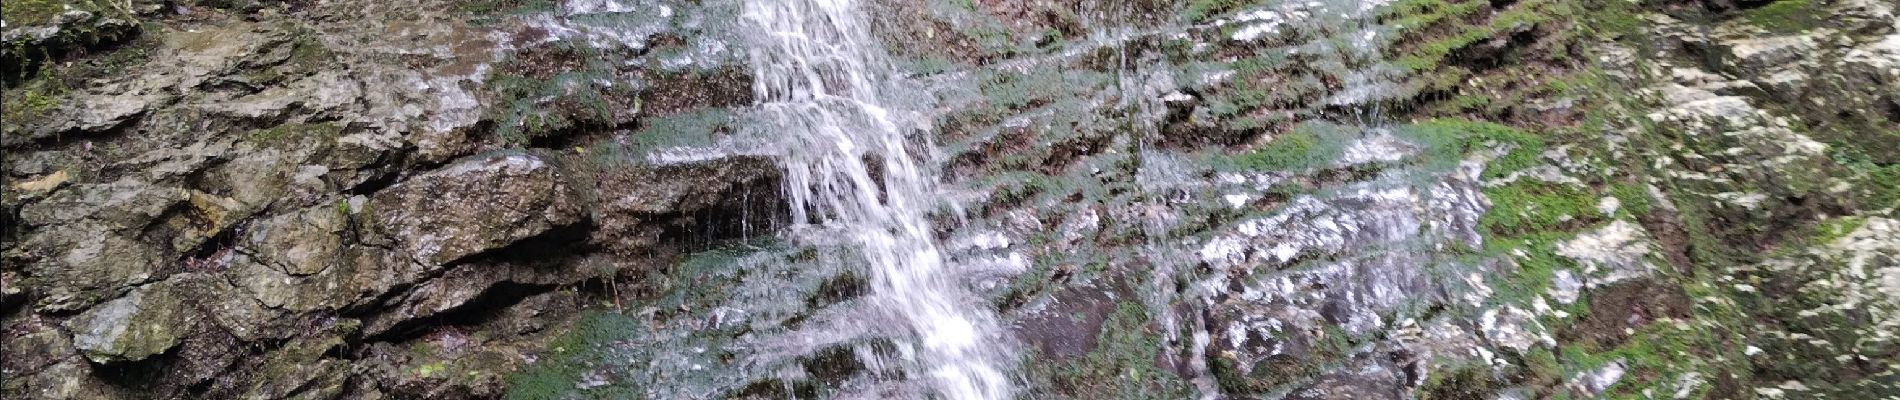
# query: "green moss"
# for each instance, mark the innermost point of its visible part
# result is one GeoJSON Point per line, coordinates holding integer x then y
{"type": "Point", "coordinates": [1122, 366]}
{"type": "Point", "coordinates": [1656, 356]}
{"type": "Point", "coordinates": [1427, 48]}
{"type": "Point", "coordinates": [1634, 199]}
{"type": "Point", "coordinates": [1269, 81]}
{"type": "Point", "coordinates": [570, 356]}
{"type": "Point", "coordinates": [1308, 146]}
{"type": "Point", "coordinates": [1883, 185]}
{"type": "Point", "coordinates": [548, 89]}
{"type": "Point", "coordinates": [32, 101]}
{"type": "Point", "coordinates": [1009, 92]}
{"type": "Point", "coordinates": [1612, 19]}
{"type": "Point", "coordinates": [693, 129]}
{"type": "Point", "coordinates": [1202, 10]}
{"type": "Point", "coordinates": [1828, 231]}
{"type": "Point", "coordinates": [1786, 16]}
{"type": "Point", "coordinates": [24, 56]}
{"type": "Point", "coordinates": [431, 369]}
{"type": "Point", "coordinates": [1460, 384]}
{"type": "Point", "coordinates": [38, 12]}
{"type": "Point", "coordinates": [1529, 206]}
{"type": "Point", "coordinates": [1537, 262]}
{"type": "Point", "coordinates": [493, 8]}
{"type": "Point", "coordinates": [1448, 141]}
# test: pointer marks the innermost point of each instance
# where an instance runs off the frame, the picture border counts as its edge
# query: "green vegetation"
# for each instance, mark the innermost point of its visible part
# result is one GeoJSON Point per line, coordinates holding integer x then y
{"type": "Point", "coordinates": [1426, 48]}
{"type": "Point", "coordinates": [1786, 16]}
{"type": "Point", "coordinates": [1448, 141]}
{"type": "Point", "coordinates": [1880, 182]}
{"type": "Point", "coordinates": [307, 56]}
{"type": "Point", "coordinates": [550, 88]}
{"type": "Point", "coordinates": [1828, 231]}
{"type": "Point", "coordinates": [32, 101]}
{"type": "Point", "coordinates": [693, 129]}
{"type": "Point", "coordinates": [1529, 206]}
{"type": "Point", "coordinates": [1634, 198]}
{"type": "Point", "coordinates": [1468, 383]}
{"type": "Point", "coordinates": [108, 23]}
{"type": "Point", "coordinates": [567, 358]}
{"type": "Point", "coordinates": [1010, 92]}
{"type": "Point", "coordinates": [1308, 146]}
{"type": "Point", "coordinates": [1122, 366]}
{"type": "Point", "coordinates": [1656, 356]}
{"type": "Point", "coordinates": [36, 12]}
{"type": "Point", "coordinates": [483, 10]}
{"type": "Point", "coordinates": [1607, 19]}
{"type": "Point", "coordinates": [1017, 187]}
{"type": "Point", "coordinates": [1203, 10]}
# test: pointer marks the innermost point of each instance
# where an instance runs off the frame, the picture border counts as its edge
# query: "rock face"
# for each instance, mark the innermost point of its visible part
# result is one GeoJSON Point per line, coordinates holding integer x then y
{"type": "Point", "coordinates": [1199, 199]}
{"type": "Point", "coordinates": [479, 203]}
{"type": "Point", "coordinates": [144, 323]}
{"type": "Point", "coordinates": [251, 200]}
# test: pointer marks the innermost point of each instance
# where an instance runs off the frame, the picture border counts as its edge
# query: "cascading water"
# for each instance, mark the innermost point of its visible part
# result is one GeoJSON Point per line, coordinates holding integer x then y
{"type": "Point", "coordinates": [830, 96]}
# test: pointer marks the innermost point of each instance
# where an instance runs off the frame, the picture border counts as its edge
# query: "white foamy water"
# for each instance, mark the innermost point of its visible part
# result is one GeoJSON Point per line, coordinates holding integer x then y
{"type": "Point", "coordinates": [853, 152]}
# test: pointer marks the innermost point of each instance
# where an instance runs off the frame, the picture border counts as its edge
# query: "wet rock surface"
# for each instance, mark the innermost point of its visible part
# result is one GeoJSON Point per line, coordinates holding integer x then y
{"type": "Point", "coordinates": [472, 205]}
{"type": "Point", "coordinates": [1196, 199]}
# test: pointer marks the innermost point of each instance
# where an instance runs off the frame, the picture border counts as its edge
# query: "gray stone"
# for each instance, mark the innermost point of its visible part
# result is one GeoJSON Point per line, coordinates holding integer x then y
{"type": "Point", "coordinates": [80, 264]}
{"type": "Point", "coordinates": [146, 322]}
{"type": "Point", "coordinates": [124, 204]}
{"type": "Point", "coordinates": [477, 204]}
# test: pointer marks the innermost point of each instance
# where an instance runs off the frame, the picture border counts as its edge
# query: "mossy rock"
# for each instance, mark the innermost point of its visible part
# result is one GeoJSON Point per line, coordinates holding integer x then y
{"type": "Point", "coordinates": [1786, 16]}
{"type": "Point", "coordinates": [38, 30]}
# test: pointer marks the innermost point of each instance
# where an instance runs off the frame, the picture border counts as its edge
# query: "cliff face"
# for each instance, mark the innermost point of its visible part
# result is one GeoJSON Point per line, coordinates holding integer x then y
{"type": "Point", "coordinates": [1229, 199]}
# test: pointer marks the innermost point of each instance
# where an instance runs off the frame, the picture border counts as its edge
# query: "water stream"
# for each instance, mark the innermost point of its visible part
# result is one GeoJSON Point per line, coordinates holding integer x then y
{"type": "Point", "coordinates": [855, 154]}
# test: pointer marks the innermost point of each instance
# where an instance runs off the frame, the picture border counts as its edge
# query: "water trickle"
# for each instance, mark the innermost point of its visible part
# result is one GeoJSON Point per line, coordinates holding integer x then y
{"type": "Point", "coordinates": [854, 154]}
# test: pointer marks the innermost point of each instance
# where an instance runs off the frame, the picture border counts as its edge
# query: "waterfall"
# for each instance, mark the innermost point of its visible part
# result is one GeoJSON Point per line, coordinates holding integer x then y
{"type": "Point", "coordinates": [853, 150]}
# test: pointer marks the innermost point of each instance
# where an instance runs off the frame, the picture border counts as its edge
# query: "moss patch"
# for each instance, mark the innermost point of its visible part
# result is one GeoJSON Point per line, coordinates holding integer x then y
{"type": "Point", "coordinates": [1123, 365]}
{"type": "Point", "coordinates": [1308, 146]}
{"type": "Point", "coordinates": [32, 101]}
{"type": "Point", "coordinates": [571, 356]}
{"type": "Point", "coordinates": [1786, 16]}
{"type": "Point", "coordinates": [39, 12]}
{"type": "Point", "coordinates": [21, 57]}
{"type": "Point", "coordinates": [491, 10]}
{"type": "Point", "coordinates": [1449, 141]}
{"type": "Point", "coordinates": [545, 90]}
